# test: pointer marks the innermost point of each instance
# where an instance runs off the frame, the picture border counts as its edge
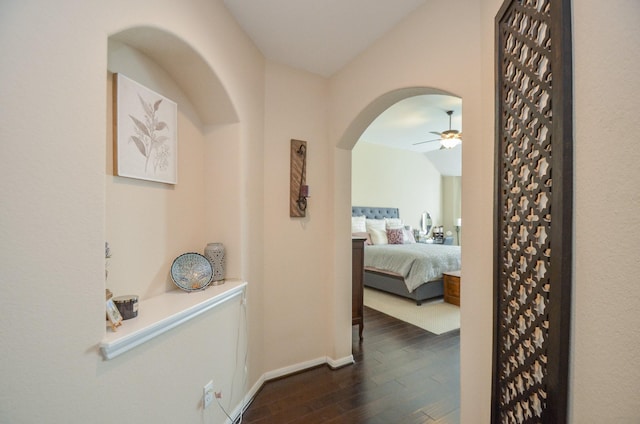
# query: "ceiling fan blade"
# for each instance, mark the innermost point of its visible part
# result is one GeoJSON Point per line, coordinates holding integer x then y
{"type": "Point", "coordinates": [428, 141]}
{"type": "Point", "coordinates": [436, 133]}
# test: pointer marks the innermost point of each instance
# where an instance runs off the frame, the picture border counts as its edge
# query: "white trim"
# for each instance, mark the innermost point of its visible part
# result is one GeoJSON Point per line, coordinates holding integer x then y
{"type": "Point", "coordinates": [338, 363]}
{"type": "Point", "coordinates": [164, 312]}
{"type": "Point", "coordinates": [270, 375]}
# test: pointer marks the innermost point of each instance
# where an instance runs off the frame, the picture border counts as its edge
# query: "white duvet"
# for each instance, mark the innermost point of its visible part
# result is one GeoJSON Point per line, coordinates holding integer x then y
{"type": "Point", "coordinates": [417, 263]}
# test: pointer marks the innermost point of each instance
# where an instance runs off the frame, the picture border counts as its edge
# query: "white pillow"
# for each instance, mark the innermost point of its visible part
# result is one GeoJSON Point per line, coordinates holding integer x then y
{"type": "Point", "coordinates": [408, 237]}
{"type": "Point", "coordinates": [358, 225]}
{"type": "Point", "coordinates": [393, 222]}
{"type": "Point", "coordinates": [377, 224]}
{"type": "Point", "coordinates": [378, 236]}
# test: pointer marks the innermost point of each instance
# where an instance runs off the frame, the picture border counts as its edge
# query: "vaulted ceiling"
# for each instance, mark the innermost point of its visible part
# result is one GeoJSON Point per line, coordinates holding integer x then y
{"type": "Point", "coordinates": [323, 36]}
{"type": "Point", "coordinates": [319, 36]}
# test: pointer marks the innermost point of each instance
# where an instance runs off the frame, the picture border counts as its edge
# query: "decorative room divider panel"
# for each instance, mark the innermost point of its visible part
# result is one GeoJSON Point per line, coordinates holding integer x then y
{"type": "Point", "coordinates": [533, 210]}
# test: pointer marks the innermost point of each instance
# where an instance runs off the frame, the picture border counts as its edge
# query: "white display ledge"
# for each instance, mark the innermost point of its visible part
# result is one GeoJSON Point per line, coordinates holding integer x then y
{"type": "Point", "coordinates": [164, 312]}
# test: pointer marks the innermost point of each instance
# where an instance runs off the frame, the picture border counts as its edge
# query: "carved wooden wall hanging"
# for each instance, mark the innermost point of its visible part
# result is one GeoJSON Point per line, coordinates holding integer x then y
{"type": "Point", "coordinates": [533, 210]}
{"type": "Point", "coordinates": [298, 188]}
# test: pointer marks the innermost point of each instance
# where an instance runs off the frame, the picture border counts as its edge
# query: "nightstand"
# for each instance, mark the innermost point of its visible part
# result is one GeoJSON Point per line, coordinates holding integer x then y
{"type": "Point", "coordinates": [452, 287]}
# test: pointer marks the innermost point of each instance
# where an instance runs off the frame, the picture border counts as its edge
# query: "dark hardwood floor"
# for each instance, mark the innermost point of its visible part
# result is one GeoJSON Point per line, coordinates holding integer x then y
{"type": "Point", "coordinates": [402, 374]}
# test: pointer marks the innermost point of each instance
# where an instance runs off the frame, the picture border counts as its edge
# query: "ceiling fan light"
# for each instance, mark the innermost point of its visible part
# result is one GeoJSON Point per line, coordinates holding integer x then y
{"type": "Point", "coordinates": [450, 143]}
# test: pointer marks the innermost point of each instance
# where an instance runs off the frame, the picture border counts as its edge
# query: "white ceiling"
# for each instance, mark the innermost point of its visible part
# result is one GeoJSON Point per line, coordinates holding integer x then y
{"type": "Point", "coordinates": [322, 36]}
{"type": "Point", "coordinates": [412, 120]}
{"type": "Point", "coordinates": [319, 36]}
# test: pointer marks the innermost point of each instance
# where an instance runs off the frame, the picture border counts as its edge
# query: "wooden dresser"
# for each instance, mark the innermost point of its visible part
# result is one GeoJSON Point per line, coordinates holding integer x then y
{"type": "Point", "coordinates": [452, 287]}
{"type": "Point", "coordinates": [357, 273]}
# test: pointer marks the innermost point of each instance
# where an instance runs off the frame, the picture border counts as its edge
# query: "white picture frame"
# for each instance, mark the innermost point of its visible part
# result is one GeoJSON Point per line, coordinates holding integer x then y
{"type": "Point", "coordinates": [146, 132]}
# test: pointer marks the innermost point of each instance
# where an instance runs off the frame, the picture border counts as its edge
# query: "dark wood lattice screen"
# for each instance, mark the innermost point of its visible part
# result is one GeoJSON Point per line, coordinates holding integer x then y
{"type": "Point", "coordinates": [533, 212]}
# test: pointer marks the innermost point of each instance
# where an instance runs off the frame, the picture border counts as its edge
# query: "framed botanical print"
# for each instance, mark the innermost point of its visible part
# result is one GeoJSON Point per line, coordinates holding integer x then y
{"type": "Point", "coordinates": [146, 132]}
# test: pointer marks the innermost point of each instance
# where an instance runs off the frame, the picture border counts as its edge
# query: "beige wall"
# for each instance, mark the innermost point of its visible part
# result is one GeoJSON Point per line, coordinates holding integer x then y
{"type": "Point", "coordinates": [53, 220]}
{"type": "Point", "coordinates": [606, 335]}
{"type": "Point", "coordinates": [387, 177]}
{"type": "Point", "coordinates": [59, 208]}
{"type": "Point", "coordinates": [297, 261]}
{"type": "Point", "coordinates": [143, 246]}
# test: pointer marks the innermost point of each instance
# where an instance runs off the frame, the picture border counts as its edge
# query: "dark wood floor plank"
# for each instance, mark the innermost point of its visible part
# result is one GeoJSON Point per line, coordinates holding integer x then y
{"type": "Point", "coordinates": [402, 374]}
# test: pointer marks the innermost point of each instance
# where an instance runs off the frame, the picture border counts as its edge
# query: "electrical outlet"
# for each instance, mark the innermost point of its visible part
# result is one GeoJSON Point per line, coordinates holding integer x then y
{"type": "Point", "coordinates": [207, 396]}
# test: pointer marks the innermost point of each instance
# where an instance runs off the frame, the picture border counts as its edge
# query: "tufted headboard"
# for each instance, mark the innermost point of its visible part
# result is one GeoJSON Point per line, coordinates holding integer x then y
{"type": "Point", "coordinates": [375, 213]}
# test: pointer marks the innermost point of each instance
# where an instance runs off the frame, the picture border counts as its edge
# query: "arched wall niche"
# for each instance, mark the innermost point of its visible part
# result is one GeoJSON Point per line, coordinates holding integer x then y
{"type": "Point", "coordinates": [148, 224]}
{"type": "Point", "coordinates": [376, 107]}
{"type": "Point", "coordinates": [188, 69]}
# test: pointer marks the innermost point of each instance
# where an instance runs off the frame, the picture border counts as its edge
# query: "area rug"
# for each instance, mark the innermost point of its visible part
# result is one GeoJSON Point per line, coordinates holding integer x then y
{"type": "Point", "coordinates": [435, 316]}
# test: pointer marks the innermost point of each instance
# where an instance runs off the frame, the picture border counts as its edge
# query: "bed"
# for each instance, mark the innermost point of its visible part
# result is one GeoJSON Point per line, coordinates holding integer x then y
{"type": "Point", "coordinates": [412, 270]}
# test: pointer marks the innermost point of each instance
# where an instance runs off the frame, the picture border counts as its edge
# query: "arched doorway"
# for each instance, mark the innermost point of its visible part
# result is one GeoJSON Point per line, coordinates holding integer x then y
{"type": "Point", "coordinates": [401, 160]}
{"type": "Point", "coordinates": [360, 130]}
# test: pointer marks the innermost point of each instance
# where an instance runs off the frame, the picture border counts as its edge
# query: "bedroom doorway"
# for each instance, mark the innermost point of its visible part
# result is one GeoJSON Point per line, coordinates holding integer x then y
{"type": "Point", "coordinates": [408, 156]}
{"type": "Point", "coordinates": [406, 170]}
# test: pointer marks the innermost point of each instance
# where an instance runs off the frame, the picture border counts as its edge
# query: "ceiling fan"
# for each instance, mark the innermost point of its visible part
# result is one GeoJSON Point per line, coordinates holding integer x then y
{"type": "Point", "coordinates": [448, 138]}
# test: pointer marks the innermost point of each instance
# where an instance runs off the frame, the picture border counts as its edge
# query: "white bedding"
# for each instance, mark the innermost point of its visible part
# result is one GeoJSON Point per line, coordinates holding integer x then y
{"type": "Point", "coordinates": [417, 262]}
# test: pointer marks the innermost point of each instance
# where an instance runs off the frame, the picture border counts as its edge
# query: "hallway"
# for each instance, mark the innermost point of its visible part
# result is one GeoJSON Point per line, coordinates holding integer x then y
{"type": "Point", "coordinates": [402, 374]}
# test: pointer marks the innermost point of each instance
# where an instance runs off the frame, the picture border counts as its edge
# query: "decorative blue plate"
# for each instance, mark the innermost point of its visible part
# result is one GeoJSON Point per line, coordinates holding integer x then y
{"type": "Point", "coordinates": [191, 272]}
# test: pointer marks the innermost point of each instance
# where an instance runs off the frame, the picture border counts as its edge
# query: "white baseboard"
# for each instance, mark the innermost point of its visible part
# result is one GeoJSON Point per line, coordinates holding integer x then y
{"type": "Point", "coordinates": [281, 372]}
{"type": "Point", "coordinates": [338, 363]}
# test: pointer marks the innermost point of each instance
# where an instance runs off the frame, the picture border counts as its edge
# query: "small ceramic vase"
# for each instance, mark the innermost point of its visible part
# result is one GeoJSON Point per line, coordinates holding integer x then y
{"type": "Point", "coordinates": [215, 253]}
